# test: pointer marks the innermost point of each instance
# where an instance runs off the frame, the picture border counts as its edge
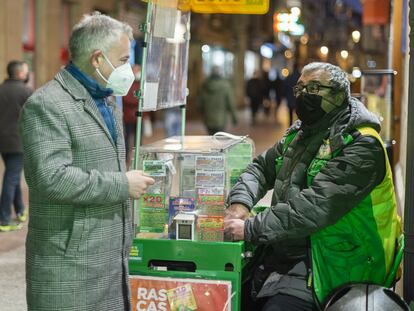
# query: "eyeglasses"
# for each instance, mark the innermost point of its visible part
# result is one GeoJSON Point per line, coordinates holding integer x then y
{"type": "Point", "coordinates": [311, 88]}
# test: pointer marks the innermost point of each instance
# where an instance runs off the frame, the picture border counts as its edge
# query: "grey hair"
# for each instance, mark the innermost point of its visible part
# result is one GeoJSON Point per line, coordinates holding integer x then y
{"type": "Point", "coordinates": [95, 32]}
{"type": "Point", "coordinates": [338, 78]}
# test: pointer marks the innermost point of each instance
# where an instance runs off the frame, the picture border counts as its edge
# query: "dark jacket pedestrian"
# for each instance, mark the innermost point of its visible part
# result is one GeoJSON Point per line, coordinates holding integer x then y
{"type": "Point", "coordinates": [290, 82]}
{"type": "Point", "coordinates": [129, 109]}
{"type": "Point", "coordinates": [216, 103]}
{"type": "Point", "coordinates": [279, 87]}
{"type": "Point", "coordinates": [266, 91]}
{"type": "Point", "coordinates": [254, 91]}
{"type": "Point", "coordinates": [13, 94]}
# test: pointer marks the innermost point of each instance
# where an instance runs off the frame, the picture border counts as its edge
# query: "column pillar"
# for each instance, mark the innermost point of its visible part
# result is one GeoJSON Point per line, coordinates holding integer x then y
{"type": "Point", "coordinates": [11, 24]}
{"type": "Point", "coordinates": [241, 35]}
{"type": "Point", "coordinates": [397, 64]}
{"type": "Point", "coordinates": [48, 41]}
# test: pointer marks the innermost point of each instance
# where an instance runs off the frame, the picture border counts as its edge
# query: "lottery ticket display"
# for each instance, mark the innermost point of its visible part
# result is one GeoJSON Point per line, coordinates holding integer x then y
{"type": "Point", "coordinates": [193, 176]}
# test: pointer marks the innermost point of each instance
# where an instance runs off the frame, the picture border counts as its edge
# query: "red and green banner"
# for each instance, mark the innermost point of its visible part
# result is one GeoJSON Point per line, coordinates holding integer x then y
{"type": "Point", "coordinates": [173, 294]}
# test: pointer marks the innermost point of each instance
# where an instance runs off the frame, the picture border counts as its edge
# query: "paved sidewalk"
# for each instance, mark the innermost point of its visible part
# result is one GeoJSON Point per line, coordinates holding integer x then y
{"type": "Point", "coordinates": [12, 279]}
{"type": "Point", "coordinates": [12, 266]}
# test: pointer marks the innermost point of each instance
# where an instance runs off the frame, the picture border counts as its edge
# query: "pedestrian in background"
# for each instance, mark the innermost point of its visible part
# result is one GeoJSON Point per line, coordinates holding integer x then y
{"type": "Point", "coordinates": [80, 226]}
{"type": "Point", "coordinates": [266, 93]}
{"type": "Point", "coordinates": [130, 108]}
{"type": "Point", "coordinates": [279, 88]}
{"type": "Point", "coordinates": [290, 82]}
{"type": "Point", "coordinates": [216, 102]}
{"type": "Point", "coordinates": [13, 94]}
{"type": "Point", "coordinates": [172, 121]}
{"type": "Point", "coordinates": [254, 92]}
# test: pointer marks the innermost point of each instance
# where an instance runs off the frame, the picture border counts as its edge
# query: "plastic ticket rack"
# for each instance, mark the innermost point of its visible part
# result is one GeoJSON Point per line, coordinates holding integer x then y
{"type": "Point", "coordinates": [179, 260]}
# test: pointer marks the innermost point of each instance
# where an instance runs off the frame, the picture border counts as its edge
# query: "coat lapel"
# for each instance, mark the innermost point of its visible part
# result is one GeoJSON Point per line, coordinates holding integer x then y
{"type": "Point", "coordinates": [92, 109]}
{"type": "Point", "coordinates": [78, 92]}
{"type": "Point", "coordinates": [120, 145]}
{"type": "Point", "coordinates": [118, 121]}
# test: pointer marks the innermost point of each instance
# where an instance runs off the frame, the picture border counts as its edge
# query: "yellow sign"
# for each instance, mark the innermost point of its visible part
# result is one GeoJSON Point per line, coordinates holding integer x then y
{"type": "Point", "coordinates": [217, 6]}
{"type": "Point", "coordinates": [230, 6]}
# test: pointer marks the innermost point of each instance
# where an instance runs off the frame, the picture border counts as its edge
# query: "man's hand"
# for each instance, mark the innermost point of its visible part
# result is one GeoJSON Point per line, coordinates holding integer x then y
{"type": "Point", "coordinates": [234, 229]}
{"type": "Point", "coordinates": [238, 211]}
{"type": "Point", "coordinates": [138, 182]}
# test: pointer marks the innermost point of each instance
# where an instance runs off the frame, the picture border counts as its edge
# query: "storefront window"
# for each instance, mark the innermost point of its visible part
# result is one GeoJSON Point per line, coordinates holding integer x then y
{"type": "Point", "coordinates": [376, 90]}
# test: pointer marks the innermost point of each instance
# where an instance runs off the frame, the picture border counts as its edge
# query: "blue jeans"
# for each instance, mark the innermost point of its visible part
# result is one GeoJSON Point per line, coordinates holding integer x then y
{"type": "Point", "coordinates": [11, 192]}
{"type": "Point", "coordinates": [172, 122]}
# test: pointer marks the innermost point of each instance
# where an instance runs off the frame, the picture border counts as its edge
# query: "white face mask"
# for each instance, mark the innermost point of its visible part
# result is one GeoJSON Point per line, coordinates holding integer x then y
{"type": "Point", "coordinates": [120, 80]}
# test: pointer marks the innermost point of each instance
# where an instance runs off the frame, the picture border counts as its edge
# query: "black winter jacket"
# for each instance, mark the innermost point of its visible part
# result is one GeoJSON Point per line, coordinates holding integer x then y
{"type": "Point", "coordinates": [13, 94]}
{"type": "Point", "coordinates": [296, 210]}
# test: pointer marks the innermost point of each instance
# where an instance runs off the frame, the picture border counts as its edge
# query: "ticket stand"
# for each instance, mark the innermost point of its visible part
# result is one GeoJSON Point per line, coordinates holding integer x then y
{"type": "Point", "coordinates": [179, 260]}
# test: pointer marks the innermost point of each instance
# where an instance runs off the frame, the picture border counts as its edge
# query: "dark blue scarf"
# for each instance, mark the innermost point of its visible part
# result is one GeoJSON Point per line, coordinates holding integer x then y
{"type": "Point", "coordinates": [99, 95]}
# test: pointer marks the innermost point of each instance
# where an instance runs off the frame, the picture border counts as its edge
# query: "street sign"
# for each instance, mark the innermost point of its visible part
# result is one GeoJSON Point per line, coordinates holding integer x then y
{"type": "Point", "coordinates": [230, 6]}
{"type": "Point", "coordinates": [217, 6]}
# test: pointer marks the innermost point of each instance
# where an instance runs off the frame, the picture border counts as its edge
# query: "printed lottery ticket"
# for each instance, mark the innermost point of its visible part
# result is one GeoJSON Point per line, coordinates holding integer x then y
{"type": "Point", "coordinates": [209, 162]}
{"type": "Point", "coordinates": [210, 228]}
{"type": "Point", "coordinates": [210, 191]}
{"type": "Point", "coordinates": [209, 179]}
{"type": "Point", "coordinates": [182, 298]}
{"type": "Point", "coordinates": [155, 168]}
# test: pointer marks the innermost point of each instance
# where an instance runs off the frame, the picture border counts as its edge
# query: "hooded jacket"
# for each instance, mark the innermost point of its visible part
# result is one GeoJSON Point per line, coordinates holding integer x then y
{"type": "Point", "coordinates": [216, 101]}
{"type": "Point", "coordinates": [297, 210]}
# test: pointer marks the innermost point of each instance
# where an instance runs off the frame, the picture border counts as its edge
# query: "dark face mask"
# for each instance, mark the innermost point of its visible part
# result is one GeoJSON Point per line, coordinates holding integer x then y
{"type": "Point", "coordinates": [308, 108]}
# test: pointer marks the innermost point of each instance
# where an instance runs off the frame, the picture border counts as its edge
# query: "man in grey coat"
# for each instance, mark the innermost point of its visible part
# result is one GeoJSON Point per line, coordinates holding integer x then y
{"type": "Point", "coordinates": [80, 226]}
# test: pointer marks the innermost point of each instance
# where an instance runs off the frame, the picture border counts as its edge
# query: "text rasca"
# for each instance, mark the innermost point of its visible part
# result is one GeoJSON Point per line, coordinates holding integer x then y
{"type": "Point", "coordinates": [151, 299]}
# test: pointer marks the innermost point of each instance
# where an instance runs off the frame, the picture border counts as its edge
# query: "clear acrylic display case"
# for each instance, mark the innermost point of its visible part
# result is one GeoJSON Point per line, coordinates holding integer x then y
{"type": "Point", "coordinates": [166, 62]}
{"type": "Point", "coordinates": [193, 175]}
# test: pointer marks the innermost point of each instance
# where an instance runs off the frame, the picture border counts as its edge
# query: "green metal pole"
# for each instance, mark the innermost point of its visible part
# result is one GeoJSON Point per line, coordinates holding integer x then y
{"type": "Point", "coordinates": [182, 107]}
{"type": "Point", "coordinates": [144, 28]}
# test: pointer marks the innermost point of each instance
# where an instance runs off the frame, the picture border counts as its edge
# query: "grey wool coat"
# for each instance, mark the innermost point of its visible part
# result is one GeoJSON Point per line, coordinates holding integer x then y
{"type": "Point", "coordinates": [80, 224]}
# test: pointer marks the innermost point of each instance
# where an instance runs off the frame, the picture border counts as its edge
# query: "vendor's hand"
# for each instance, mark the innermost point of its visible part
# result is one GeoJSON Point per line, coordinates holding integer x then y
{"type": "Point", "coordinates": [234, 228]}
{"type": "Point", "coordinates": [138, 182]}
{"type": "Point", "coordinates": [236, 210]}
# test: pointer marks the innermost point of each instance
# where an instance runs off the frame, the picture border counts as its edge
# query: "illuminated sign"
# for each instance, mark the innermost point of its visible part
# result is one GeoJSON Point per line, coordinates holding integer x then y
{"type": "Point", "coordinates": [217, 6]}
{"type": "Point", "coordinates": [230, 6]}
{"type": "Point", "coordinates": [288, 22]}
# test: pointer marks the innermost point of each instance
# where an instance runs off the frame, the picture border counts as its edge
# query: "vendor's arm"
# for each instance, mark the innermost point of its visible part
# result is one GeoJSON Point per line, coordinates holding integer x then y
{"type": "Point", "coordinates": [253, 183]}
{"type": "Point", "coordinates": [336, 189]}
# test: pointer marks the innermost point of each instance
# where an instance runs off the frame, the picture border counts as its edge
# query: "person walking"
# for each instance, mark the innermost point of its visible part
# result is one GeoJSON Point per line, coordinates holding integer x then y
{"type": "Point", "coordinates": [130, 109]}
{"type": "Point", "coordinates": [216, 102]}
{"type": "Point", "coordinates": [13, 94]}
{"type": "Point", "coordinates": [80, 222]}
{"type": "Point", "coordinates": [290, 83]}
{"type": "Point", "coordinates": [254, 92]}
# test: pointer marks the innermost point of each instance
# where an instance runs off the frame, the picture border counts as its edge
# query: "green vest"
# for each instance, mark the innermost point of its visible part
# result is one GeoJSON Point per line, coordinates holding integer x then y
{"type": "Point", "coordinates": [359, 247]}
